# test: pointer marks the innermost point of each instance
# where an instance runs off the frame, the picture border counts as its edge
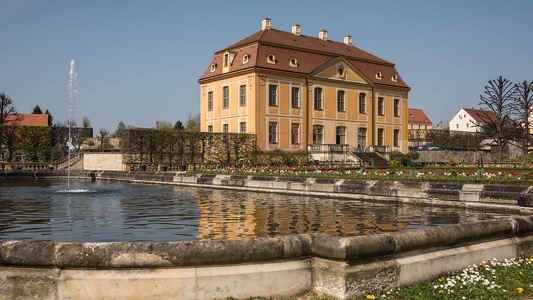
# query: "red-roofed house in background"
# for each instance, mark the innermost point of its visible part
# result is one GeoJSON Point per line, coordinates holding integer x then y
{"type": "Point", "coordinates": [418, 119]}
{"type": "Point", "coordinates": [298, 92]}
{"type": "Point", "coordinates": [469, 119]}
{"type": "Point", "coordinates": [29, 119]}
{"type": "Point", "coordinates": [419, 123]}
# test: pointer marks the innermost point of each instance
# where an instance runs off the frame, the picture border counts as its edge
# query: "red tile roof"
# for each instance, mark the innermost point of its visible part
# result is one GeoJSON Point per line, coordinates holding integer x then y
{"type": "Point", "coordinates": [480, 115]}
{"type": "Point", "coordinates": [418, 116]}
{"type": "Point", "coordinates": [310, 52]}
{"type": "Point", "coordinates": [29, 119]}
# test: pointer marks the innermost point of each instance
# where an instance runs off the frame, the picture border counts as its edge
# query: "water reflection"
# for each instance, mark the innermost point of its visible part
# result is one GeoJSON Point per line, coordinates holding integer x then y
{"type": "Point", "coordinates": [34, 210]}
{"type": "Point", "coordinates": [237, 215]}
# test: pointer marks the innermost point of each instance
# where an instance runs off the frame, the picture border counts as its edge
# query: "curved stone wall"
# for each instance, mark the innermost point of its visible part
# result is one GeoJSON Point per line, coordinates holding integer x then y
{"type": "Point", "coordinates": [269, 267]}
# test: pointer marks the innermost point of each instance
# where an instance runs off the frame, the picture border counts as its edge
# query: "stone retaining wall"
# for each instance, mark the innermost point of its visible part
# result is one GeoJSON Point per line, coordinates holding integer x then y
{"type": "Point", "coordinates": [401, 191]}
{"type": "Point", "coordinates": [268, 267]}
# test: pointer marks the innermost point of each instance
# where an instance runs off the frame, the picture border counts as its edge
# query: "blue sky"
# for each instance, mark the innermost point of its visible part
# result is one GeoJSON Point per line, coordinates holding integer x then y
{"type": "Point", "coordinates": [139, 61]}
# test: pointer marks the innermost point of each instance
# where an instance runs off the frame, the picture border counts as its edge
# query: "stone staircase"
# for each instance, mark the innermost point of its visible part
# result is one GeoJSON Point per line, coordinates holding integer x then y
{"type": "Point", "coordinates": [368, 157]}
{"type": "Point", "coordinates": [75, 161]}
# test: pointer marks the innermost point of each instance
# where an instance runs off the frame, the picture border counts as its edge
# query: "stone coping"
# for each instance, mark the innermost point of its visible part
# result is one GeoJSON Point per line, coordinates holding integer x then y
{"type": "Point", "coordinates": [152, 254]}
{"type": "Point", "coordinates": [120, 255]}
{"type": "Point", "coordinates": [494, 197]}
{"type": "Point", "coordinates": [360, 247]}
{"type": "Point", "coordinates": [440, 191]}
{"type": "Point", "coordinates": [46, 173]}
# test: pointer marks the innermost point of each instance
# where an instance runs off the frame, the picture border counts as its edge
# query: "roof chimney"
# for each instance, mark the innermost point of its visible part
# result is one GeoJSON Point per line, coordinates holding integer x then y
{"type": "Point", "coordinates": [296, 29]}
{"type": "Point", "coordinates": [265, 24]}
{"type": "Point", "coordinates": [323, 35]}
{"type": "Point", "coordinates": [348, 40]}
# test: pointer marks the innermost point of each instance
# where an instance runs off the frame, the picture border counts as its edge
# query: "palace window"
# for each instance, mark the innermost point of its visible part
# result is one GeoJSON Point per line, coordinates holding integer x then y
{"type": "Point", "coordinates": [210, 128]}
{"type": "Point", "coordinates": [362, 103]}
{"type": "Point", "coordinates": [225, 94]}
{"type": "Point", "coordinates": [225, 128]}
{"type": "Point", "coordinates": [242, 95]}
{"type": "Point", "coordinates": [318, 98]}
{"type": "Point", "coordinates": [361, 137]}
{"type": "Point", "coordinates": [396, 107]}
{"type": "Point", "coordinates": [341, 135]}
{"type": "Point", "coordinates": [295, 133]}
{"type": "Point", "coordinates": [318, 134]}
{"type": "Point", "coordinates": [396, 142]}
{"type": "Point", "coordinates": [210, 101]}
{"type": "Point", "coordinates": [272, 132]}
{"type": "Point", "coordinates": [381, 108]}
{"type": "Point", "coordinates": [242, 127]}
{"type": "Point", "coordinates": [272, 95]}
{"type": "Point", "coordinates": [380, 136]}
{"type": "Point", "coordinates": [340, 101]}
{"type": "Point", "coordinates": [295, 97]}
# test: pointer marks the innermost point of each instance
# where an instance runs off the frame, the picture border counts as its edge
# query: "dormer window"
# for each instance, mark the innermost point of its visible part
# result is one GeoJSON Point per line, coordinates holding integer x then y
{"type": "Point", "coordinates": [245, 58]}
{"type": "Point", "coordinates": [379, 75]}
{"type": "Point", "coordinates": [293, 62]}
{"type": "Point", "coordinates": [226, 60]}
{"type": "Point", "coordinates": [213, 67]}
{"type": "Point", "coordinates": [271, 59]}
{"type": "Point", "coordinates": [394, 77]}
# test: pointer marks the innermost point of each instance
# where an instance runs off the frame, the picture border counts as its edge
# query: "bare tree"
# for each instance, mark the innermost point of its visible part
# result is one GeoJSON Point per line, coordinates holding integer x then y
{"type": "Point", "coordinates": [8, 113]}
{"type": "Point", "coordinates": [522, 105]}
{"type": "Point", "coordinates": [193, 123]}
{"type": "Point", "coordinates": [9, 120]}
{"type": "Point", "coordinates": [79, 135]}
{"type": "Point", "coordinates": [497, 98]}
{"type": "Point", "coordinates": [103, 134]}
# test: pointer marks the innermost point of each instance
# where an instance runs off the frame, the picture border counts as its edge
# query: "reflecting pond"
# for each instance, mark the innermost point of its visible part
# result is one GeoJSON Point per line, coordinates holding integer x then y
{"type": "Point", "coordinates": [114, 211]}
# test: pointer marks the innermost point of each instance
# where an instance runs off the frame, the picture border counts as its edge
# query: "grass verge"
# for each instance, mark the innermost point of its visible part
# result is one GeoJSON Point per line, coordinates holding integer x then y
{"type": "Point", "coordinates": [509, 279]}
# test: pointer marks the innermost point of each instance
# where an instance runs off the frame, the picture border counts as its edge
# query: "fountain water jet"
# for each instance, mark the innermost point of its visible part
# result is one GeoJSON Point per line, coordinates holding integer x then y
{"type": "Point", "coordinates": [74, 94]}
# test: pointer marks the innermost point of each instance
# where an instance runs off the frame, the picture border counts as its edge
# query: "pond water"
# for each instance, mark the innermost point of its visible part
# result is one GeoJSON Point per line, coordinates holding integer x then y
{"type": "Point", "coordinates": [109, 211]}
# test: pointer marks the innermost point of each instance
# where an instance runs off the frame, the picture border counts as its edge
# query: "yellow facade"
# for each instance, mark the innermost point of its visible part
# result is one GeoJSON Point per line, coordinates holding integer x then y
{"type": "Point", "coordinates": [268, 109]}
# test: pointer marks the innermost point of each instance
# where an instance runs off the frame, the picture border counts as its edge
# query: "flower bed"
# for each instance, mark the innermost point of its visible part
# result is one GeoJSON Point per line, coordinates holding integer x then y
{"type": "Point", "coordinates": [500, 173]}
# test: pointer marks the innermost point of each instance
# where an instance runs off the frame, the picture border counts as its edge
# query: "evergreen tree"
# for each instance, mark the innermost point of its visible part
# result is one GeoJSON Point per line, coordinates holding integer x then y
{"type": "Point", "coordinates": [179, 125]}
{"type": "Point", "coordinates": [120, 129]}
{"type": "Point", "coordinates": [50, 118]}
{"type": "Point", "coordinates": [37, 110]}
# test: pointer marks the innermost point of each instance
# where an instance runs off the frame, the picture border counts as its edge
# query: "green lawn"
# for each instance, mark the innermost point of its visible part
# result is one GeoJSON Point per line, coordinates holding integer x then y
{"type": "Point", "coordinates": [509, 279]}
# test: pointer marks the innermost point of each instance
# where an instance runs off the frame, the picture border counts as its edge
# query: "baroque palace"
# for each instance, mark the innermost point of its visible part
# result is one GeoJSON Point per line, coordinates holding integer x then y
{"type": "Point", "coordinates": [299, 92]}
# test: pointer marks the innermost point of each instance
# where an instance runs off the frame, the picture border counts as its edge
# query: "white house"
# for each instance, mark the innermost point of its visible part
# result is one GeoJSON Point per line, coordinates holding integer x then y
{"type": "Point", "coordinates": [469, 119]}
